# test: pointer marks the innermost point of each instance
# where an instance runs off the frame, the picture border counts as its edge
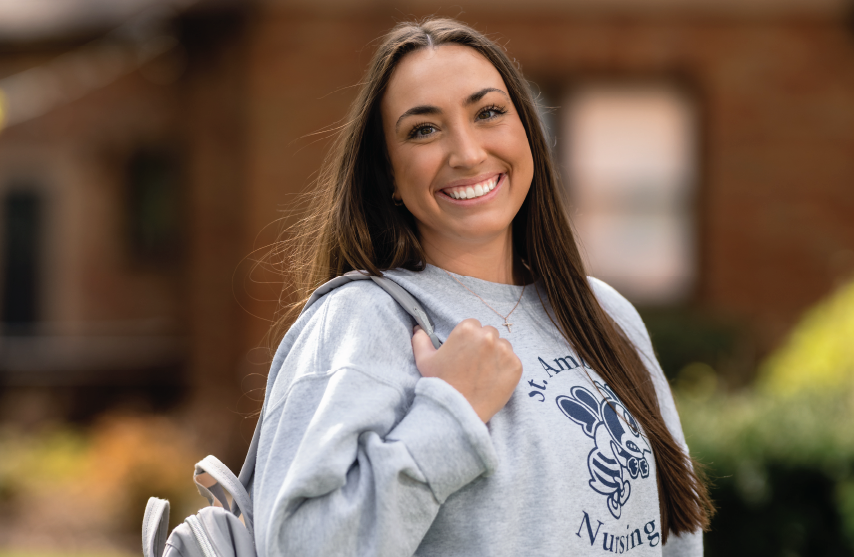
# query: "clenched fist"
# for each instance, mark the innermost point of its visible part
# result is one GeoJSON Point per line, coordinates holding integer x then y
{"type": "Point", "coordinates": [474, 360]}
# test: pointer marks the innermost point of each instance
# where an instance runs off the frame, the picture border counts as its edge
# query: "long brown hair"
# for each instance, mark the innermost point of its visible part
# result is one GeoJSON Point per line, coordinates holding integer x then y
{"type": "Point", "coordinates": [353, 224]}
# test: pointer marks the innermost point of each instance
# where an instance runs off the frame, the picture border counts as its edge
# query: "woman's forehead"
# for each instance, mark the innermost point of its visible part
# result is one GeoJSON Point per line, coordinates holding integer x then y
{"type": "Point", "coordinates": [447, 73]}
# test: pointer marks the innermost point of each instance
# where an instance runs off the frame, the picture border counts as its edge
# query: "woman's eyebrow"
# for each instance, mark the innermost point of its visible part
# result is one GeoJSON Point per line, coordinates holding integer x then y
{"type": "Point", "coordinates": [474, 97]}
{"type": "Point", "coordinates": [429, 109]}
{"type": "Point", "coordinates": [418, 111]}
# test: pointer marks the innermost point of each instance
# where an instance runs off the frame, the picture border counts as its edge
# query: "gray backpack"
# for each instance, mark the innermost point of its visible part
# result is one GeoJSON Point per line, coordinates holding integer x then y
{"type": "Point", "coordinates": [225, 529]}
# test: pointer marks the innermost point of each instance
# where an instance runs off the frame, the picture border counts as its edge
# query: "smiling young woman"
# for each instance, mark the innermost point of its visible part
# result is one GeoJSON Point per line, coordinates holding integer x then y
{"type": "Point", "coordinates": [460, 158]}
{"type": "Point", "coordinates": [556, 435]}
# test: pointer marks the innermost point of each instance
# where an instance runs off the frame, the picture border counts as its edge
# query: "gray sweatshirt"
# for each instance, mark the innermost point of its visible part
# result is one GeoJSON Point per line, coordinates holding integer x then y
{"type": "Point", "coordinates": [360, 455]}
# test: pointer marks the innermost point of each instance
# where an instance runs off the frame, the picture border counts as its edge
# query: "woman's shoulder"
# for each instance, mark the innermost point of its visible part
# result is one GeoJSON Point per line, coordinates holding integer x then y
{"type": "Point", "coordinates": [361, 299]}
{"type": "Point", "coordinates": [356, 326]}
{"type": "Point", "coordinates": [627, 317]}
{"type": "Point", "coordinates": [622, 311]}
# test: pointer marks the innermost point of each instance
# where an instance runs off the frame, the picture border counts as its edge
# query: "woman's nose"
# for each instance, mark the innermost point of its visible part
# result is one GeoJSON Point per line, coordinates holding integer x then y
{"type": "Point", "coordinates": [465, 150]}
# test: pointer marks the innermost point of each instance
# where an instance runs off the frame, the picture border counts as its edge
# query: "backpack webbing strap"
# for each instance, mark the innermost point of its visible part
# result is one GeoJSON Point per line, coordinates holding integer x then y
{"type": "Point", "coordinates": [214, 479]}
{"type": "Point", "coordinates": [155, 524]}
{"type": "Point", "coordinates": [406, 300]}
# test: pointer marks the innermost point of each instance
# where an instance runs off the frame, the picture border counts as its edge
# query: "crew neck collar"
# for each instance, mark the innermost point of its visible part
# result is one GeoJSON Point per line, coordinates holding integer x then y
{"type": "Point", "coordinates": [483, 288]}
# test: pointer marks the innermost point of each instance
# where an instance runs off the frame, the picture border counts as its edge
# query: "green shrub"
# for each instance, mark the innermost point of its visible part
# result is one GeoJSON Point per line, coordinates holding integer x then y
{"type": "Point", "coordinates": [781, 455]}
{"type": "Point", "coordinates": [782, 469]}
{"type": "Point", "coordinates": [819, 354]}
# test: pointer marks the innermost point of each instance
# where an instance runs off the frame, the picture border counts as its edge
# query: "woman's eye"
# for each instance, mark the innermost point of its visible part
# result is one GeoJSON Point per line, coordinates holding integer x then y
{"type": "Point", "coordinates": [423, 131]}
{"type": "Point", "coordinates": [490, 113]}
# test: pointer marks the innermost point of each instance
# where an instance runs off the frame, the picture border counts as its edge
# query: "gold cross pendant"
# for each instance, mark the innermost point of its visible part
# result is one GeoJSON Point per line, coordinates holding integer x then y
{"type": "Point", "coordinates": [506, 324]}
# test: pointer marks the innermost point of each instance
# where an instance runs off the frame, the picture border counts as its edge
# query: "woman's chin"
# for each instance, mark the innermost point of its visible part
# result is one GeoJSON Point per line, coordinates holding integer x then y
{"type": "Point", "coordinates": [475, 231]}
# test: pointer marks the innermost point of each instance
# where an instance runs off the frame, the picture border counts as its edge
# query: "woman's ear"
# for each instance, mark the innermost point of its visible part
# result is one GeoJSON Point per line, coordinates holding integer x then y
{"type": "Point", "coordinates": [395, 195]}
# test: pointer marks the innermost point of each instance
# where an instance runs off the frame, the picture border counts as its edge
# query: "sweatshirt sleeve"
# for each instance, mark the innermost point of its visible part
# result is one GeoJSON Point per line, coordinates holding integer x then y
{"type": "Point", "coordinates": [358, 451]}
{"type": "Point", "coordinates": [625, 314]}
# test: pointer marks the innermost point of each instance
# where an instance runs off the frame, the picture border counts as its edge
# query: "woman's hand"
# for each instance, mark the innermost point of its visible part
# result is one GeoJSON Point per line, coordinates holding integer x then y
{"type": "Point", "coordinates": [474, 360]}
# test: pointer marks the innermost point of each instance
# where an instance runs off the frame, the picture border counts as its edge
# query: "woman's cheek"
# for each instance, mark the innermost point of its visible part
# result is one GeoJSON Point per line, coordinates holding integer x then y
{"type": "Point", "coordinates": [421, 168]}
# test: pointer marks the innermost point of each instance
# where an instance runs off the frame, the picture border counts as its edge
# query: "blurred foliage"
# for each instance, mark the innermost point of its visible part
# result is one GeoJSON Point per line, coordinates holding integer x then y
{"type": "Point", "coordinates": [782, 469]}
{"type": "Point", "coordinates": [781, 455]}
{"type": "Point", "coordinates": [684, 337]}
{"type": "Point", "coordinates": [820, 352]}
{"type": "Point", "coordinates": [68, 487]}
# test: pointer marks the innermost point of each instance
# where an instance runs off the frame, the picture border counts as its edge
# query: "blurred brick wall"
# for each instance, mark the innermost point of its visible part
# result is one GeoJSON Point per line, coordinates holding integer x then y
{"type": "Point", "coordinates": [94, 287]}
{"type": "Point", "coordinates": [77, 157]}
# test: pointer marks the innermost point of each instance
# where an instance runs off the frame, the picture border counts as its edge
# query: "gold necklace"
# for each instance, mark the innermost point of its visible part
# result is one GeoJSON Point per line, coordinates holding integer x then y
{"type": "Point", "coordinates": [504, 317]}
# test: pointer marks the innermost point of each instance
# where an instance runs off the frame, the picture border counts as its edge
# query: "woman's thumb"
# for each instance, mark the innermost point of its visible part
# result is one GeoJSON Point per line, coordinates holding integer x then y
{"type": "Point", "coordinates": [422, 346]}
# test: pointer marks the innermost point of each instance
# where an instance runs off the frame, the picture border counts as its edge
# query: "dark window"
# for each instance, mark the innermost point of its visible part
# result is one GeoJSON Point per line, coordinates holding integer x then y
{"type": "Point", "coordinates": [22, 221]}
{"type": "Point", "coordinates": [154, 206]}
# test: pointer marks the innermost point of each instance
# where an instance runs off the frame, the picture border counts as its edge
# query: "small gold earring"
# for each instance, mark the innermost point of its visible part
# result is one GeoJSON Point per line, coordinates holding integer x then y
{"type": "Point", "coordinates": [395, 201]}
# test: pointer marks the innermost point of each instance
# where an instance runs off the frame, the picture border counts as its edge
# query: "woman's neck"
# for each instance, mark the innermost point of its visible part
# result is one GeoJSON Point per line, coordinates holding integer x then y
{"type": "Point", "coordinates": [490, 259]}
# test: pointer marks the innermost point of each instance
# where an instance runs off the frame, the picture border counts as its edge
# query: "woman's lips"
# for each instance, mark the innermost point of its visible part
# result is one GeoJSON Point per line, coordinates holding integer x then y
{"type": "Point", "coordinates": [473, 191]}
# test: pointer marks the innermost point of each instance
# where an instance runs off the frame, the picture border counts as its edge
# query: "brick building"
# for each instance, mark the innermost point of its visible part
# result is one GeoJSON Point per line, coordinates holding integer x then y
{"type": "Point", "coordinates": [149, 193]}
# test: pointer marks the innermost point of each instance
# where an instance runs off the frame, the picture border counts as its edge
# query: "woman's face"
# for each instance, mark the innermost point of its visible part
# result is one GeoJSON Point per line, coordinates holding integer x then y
{"type": "Point", "coordinates": [459, 153]}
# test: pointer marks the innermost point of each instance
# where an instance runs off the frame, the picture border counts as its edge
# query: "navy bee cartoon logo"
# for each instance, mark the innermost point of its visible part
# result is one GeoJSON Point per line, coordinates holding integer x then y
{"type": "Point", "coordinates": [620, 453]}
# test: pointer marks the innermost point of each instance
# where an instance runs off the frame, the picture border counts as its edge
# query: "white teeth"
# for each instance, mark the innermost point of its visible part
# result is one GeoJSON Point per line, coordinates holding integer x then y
{"type": "Point", "coordinates": [470, 192]}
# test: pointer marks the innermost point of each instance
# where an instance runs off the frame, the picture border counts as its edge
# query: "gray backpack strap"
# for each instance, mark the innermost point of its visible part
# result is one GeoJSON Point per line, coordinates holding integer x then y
{"type": "Point", "coordinates": [214, 479]}
{"type": "Point", "coordinates": [410, 305]}
{"type": "Point", "coordinates": [406, 300]}
{"type": "Point", "coordinates": [155, 524]}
